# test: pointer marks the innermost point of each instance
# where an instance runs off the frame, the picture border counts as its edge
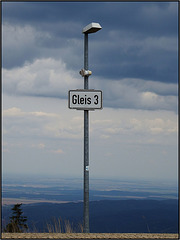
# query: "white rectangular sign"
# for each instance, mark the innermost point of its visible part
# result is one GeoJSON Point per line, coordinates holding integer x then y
{"type": "Point", "coordinates": [85, 99]}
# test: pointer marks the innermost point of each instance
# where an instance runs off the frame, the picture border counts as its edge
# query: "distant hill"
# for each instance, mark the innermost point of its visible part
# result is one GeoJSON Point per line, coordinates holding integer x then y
{"type": "Point", "coordinates": [123, 216]}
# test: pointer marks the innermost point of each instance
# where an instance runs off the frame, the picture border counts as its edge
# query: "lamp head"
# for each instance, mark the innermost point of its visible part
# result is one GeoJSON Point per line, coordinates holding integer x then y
{"type": "Point", "coordinates": [91, 28]}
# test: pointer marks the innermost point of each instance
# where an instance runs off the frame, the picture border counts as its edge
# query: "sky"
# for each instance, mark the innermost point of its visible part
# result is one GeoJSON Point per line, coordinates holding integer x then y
{"type": "Point", "coordinates": [134, 61]}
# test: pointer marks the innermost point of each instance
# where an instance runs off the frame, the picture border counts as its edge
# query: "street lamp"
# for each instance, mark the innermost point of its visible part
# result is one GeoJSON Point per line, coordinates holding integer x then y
{"type": "Point", "coordinates": [91, 28]}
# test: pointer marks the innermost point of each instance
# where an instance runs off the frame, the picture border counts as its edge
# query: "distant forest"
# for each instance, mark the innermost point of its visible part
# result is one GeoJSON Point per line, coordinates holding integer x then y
{"type": "Point", "coordinates": [106, 216]}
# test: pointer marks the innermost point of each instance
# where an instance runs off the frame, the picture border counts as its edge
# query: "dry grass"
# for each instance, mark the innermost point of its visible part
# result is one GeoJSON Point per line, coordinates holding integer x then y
{"type": "Point", "coordinates": [56, 227]}
{"type": "Point", "coordinates": [59, 230]}
{"type": "Point", "coordinates": [59, 227]}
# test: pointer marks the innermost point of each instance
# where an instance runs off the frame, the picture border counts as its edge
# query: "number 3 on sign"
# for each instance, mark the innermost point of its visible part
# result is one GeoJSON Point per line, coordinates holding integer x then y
{"type": "Point", "coordinates": [96, 99]}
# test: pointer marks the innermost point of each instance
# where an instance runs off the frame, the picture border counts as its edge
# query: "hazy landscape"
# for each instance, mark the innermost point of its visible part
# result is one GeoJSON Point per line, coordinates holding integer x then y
{"type": "Point", "coordinates": [133, 139]}
{"type": "Point", "coordinates": [115, 205]}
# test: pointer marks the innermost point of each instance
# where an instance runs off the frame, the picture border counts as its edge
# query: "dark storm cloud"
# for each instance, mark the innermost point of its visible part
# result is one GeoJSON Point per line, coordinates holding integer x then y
{"type": "Point", "coordinates": [155, 66]}
{"type": "Point", "coordinates": [148, 18]}
{"type": "Point", "coordinates": [123, 55]}
{"type": "Point", "coordinates": [138, 40]}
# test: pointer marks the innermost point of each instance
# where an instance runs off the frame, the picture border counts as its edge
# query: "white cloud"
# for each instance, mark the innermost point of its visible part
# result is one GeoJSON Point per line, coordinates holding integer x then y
{"type": "Point", "coordinates": [138, 125]}
{"type": "Point", "coordinates": [139, 94]}
{"type": "Point", "coordinates": [126, 126]}
{"type": "Point", "coordinates": [58, 151]}
{"type": "Point", "coordinates": [25, 43]}
{"type": "Point", "coordinates": [42, 124]}
{"type": "Point", "coordinates": [152, 100]}
{"type": "Point", "coordinates": [13, 112]}
{"type": "Point", "coordinates": [39, 145]}
{"type": "Point", "coordinates": [17, 112]}
{"type": "Point", "coordinates": [50, 78]}
{"type": "Point", "coordinates": [53, 132]}
{"type": "Point", "coordinates": [45, 77]}
{"type": "Point", "coordinates": [132, 126]}
{"type": "Point", "coordinates": [22, 36]}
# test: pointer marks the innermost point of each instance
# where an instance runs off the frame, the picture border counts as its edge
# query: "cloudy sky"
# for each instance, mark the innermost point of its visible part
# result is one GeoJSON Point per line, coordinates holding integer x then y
{"type": "Point", "coordinates": [133, 60]}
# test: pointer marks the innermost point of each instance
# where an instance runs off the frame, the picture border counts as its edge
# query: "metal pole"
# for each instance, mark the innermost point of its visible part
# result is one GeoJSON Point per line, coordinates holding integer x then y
{"type": "Point", "coordinates": [86, 145]}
